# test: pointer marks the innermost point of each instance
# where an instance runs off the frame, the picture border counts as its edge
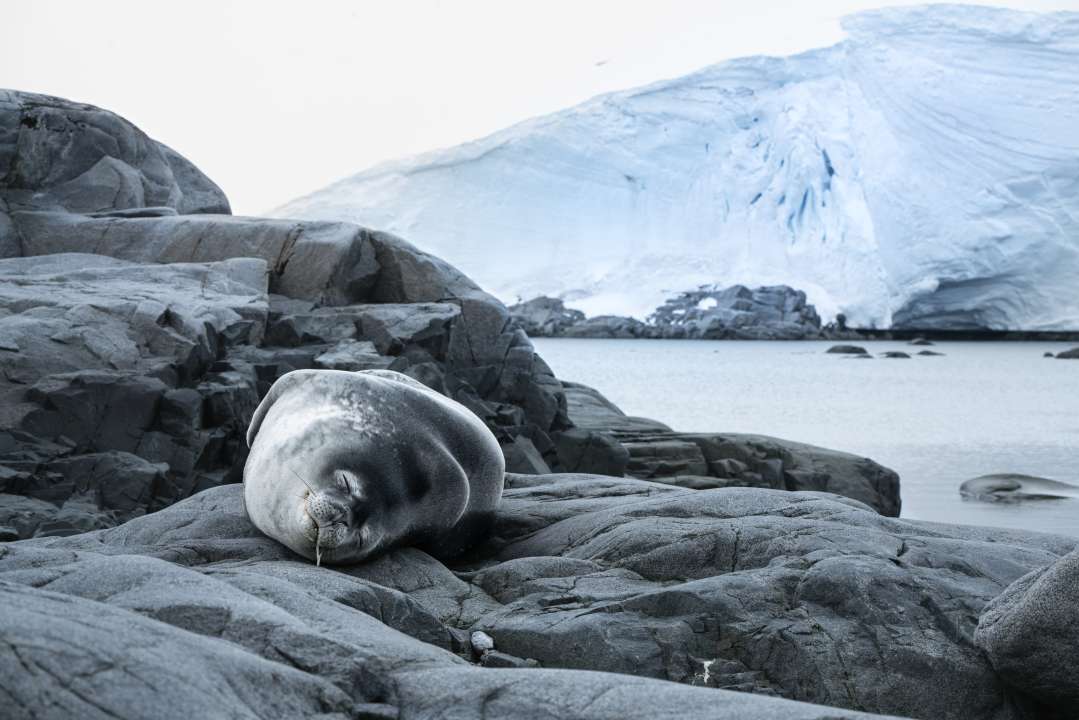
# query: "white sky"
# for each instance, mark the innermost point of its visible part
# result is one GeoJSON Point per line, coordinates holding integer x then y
{"type": "Point", "coordinates": [276, 99]}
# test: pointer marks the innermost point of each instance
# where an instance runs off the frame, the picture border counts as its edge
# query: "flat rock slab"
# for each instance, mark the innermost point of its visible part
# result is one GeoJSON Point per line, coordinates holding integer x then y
{"type": "Point", "coordinates": [804, 596]}
{"type": "Point", "coordinates": [71, 311]}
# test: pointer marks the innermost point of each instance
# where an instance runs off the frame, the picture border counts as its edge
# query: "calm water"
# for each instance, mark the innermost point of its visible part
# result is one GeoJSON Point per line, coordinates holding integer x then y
{"type": "Point", "coordinates": [983, 408]}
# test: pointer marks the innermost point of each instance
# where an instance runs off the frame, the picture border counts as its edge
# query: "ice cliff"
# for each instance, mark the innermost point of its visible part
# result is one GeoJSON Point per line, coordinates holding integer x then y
{"type": "Point", "coordinates": [922, 172]}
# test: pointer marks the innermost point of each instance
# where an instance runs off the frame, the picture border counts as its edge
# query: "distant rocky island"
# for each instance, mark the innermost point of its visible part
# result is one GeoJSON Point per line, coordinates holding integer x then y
{"type": "Point", "coordinates": [707, 313]}
{"type": "Point", "coordinates": [633, 570]}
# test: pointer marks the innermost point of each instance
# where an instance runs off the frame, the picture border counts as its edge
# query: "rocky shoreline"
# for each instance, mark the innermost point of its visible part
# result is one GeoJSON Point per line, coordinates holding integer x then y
{"type": "Point", "coordinates": [633, 570]}
{"type": "Point", "coordinates": [739, 313]}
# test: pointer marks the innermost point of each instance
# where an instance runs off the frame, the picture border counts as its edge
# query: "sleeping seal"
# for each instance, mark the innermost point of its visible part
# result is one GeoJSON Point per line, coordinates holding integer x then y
{"type": "Point", "coordinates": [344, 465]}
{"type": "Point", "coordinates": [1012, 488]}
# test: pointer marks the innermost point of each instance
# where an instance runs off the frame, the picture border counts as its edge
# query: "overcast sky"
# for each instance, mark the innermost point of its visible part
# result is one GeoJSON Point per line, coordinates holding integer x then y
{"type": "Point", "coordinates": [276, 99]}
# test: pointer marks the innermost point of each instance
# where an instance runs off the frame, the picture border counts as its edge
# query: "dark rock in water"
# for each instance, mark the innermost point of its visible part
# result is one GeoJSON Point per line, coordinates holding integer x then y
{"type": "Point", "coordinates": [847, 350]}
{"type": "Point", "coordinates": [545, 316]}
{"type": "Point", "coordinates": [608, 326]}
{"type": "Point", "coordinates": [797, 595]}
{"type": "Point", "coordinates": [1009, 487]}
{"type": "Point", "coordinates": [1030, 632]}
{"type": "Point", "coordinates": [920, 341]}
{"type": "Point", "coordinates": [1072, 354]}
{"type": "Point", "coordinates": [896, 355]}
{"type": "Point", "coordinates": [1048, 354]}
{"type": "Point", "coordinates": [71, 156]}
{"type": "Point", "coordinates": [930, 353]}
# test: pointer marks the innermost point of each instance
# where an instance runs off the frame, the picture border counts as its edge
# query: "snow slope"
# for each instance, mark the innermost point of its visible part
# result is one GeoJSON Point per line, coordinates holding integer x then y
{"type": "Point", "coordinates": [923, 172]}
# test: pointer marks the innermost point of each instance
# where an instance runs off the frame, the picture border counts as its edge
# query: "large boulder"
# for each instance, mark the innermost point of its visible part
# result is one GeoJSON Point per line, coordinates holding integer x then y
{"type": "Point", "coordinates": [63, 155]}
{"type": "Point", "coordinates": [798, 595]}
{"type": "Point", "coordinates": [1031, 634]}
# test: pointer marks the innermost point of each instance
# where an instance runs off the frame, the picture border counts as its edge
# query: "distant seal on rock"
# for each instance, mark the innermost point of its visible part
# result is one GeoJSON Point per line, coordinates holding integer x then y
{"type": "Point", "coordinates": [1010, 487]}
{"type": "Point", "coordinates": [345, 465]}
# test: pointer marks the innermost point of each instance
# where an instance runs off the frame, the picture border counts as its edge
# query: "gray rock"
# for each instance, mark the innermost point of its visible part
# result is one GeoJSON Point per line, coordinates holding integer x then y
{"type": "Point", "coordinates": [545, 316]}
{"type": "Point", "coordinates": [799, 595]}
{"type": "Point", "coordinates": [522, 456]}
{"type": "Point", "coordinates": [709, 312]}
{"type": "Point", "coordinates": [589, 451]}
{"type": "Point", "coordinates": [1031, 634]}
{"type": "Point", "coordinates": [847, 350]}
{"type": "Point", "coordinates": [734, 460]}
{"type": "Point", "coordinates": [199, 194]}
{"type": "Point", "coordinates": [353, 355]}
{"type": "Point", "coordinates": [766, 313]}
{"type": "Point", "coordinates": [71, 312]}
{"type": "Point", "coordinates": [588, 408]}
{"type": "Point", "coordinates": [930, 353]}
{"type": "Point", "coordinates": [481, 642]}
{"type": "Point", "coordinates": [608, 326]}
{"type": "Point", "coordinates": [896, 355]}
{"type": "Point", "coordinates": [1072, 354]}
{"type": "Point", "coordinates": [80, 158]}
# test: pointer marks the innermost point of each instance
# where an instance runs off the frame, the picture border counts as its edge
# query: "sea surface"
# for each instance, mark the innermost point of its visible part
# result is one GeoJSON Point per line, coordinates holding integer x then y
{"type": "Point", "coordinates": [984, 407]}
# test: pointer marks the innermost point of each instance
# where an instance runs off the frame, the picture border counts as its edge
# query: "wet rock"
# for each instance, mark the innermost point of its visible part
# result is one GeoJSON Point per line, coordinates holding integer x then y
{"type": "Point", "coordinates": [920, 341]}
{"type": "Point", "coordinates": [1072, 354]}
{"type": "Point", "coordinates": [896, 355]}
{"type": "Point", "coordinates": [930, 353]}
{"type": "Point", "coordinates": [847, 350]}
{"type": "Point", "coordinates": [1031, 634]}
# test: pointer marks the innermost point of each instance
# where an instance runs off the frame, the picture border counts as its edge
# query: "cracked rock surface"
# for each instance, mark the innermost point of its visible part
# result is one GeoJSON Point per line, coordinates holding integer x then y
{"type": "Point", "coordinates": [784, 596]}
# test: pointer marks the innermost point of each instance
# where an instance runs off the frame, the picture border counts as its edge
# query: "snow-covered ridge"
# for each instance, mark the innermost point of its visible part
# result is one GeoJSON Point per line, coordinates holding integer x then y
{"type": "Point", "coordinates": [924, 171]}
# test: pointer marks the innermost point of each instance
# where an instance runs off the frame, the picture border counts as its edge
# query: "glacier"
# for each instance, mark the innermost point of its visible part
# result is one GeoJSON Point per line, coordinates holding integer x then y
{"type": "Point", "coordinates": [923, 172]}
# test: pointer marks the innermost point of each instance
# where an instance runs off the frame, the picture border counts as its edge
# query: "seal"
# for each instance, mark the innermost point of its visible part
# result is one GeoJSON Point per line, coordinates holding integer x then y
{"type": "Point", "coordinates": [346, 465]}
{"type": "Point", "coordinates": [1013, 488]}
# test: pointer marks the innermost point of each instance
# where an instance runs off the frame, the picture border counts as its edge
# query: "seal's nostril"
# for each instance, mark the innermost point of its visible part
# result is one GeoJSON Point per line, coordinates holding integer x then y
{"type": "Point", "coordinates": [325, 509]}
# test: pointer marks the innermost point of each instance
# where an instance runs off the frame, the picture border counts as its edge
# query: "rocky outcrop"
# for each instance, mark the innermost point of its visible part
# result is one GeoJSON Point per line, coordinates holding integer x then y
{"type": "Point", "coordinates": [775, 312]}
{"type": "Point", "coordinates": [1031, 634]}
{"type": "Point", "coordinates": [545, 316]}
{"type": "Point", "coordinates": [135, 327]}
{"type": "Point", "coordinates": [783, 596]}
{"type": "Point", "coordinates": [706, 460]}
{"type": "Point", "coordinates": [63, 155]}
{"type": "Point", "coordinates": [708, 313]}
{"type": "Point", "coordinates": [1072, 354]}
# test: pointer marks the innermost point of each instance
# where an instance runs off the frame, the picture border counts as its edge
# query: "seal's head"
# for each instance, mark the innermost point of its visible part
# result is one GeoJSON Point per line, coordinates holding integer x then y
{"type": "Point", "coordinates": [344, 465]}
